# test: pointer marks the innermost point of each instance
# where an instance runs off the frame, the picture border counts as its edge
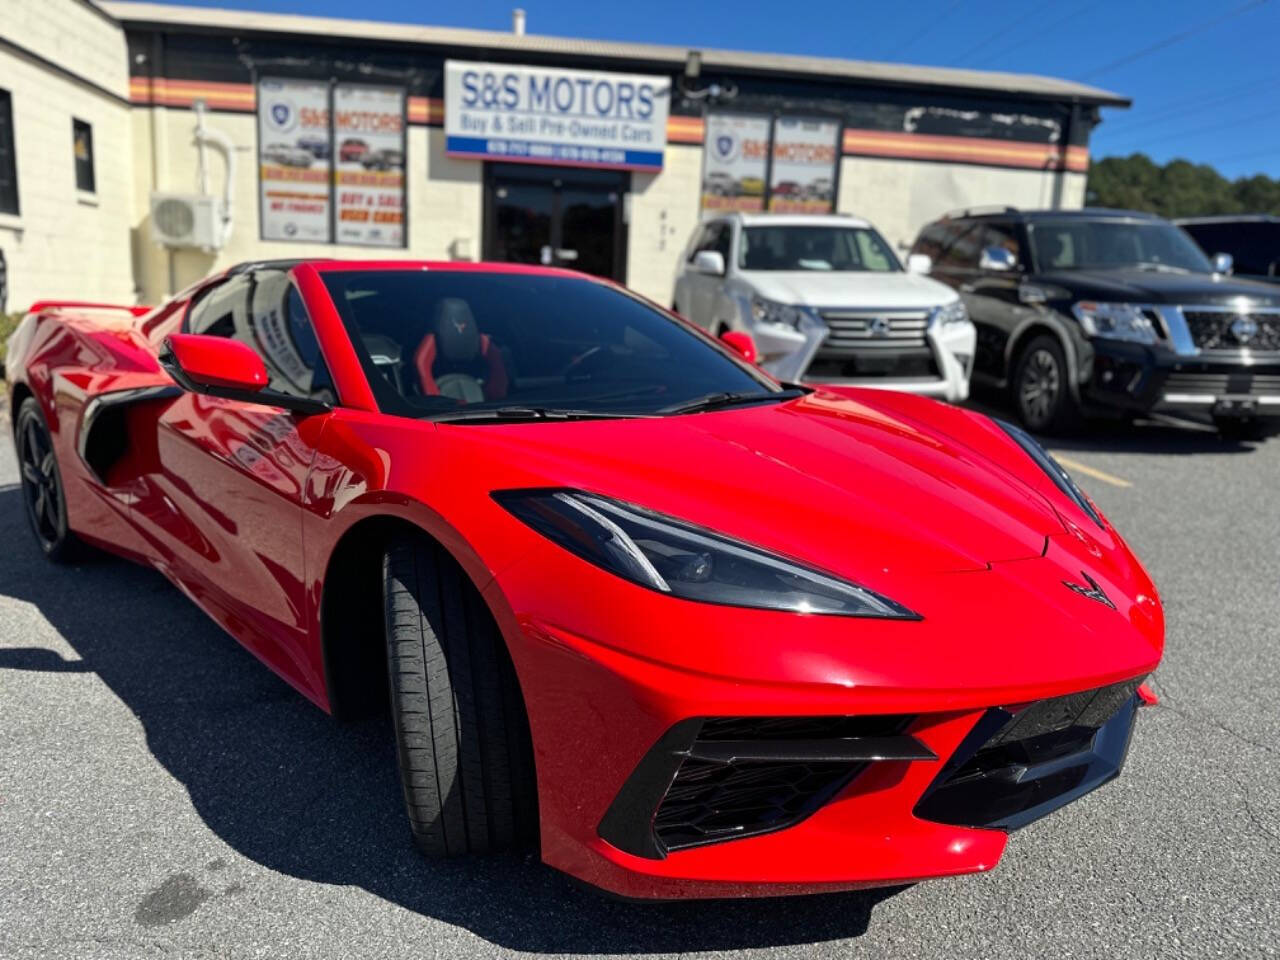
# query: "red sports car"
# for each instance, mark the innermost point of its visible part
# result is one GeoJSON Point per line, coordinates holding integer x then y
{"type": "Point", "coordinates": [691, 631]}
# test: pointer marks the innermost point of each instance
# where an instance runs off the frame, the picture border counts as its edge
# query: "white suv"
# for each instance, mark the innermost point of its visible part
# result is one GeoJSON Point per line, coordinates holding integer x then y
{"type": "Point", "coordinates": [827, 301]}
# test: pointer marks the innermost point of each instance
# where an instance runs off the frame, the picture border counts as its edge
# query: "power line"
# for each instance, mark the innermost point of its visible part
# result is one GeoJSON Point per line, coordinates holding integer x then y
{"type": "Point", "coordinates": [928, 26]}
{"type": "Point", "coordinates": [1039, 34]}
{"type": "Point", "coordinates": [1216, 126]}
{"type": "Point", "coordinates": [1008, 28]}
{"type": "Point", "coordinates": [1187, 106]}
{"type": "Point", "coordinates": [1172, 39]}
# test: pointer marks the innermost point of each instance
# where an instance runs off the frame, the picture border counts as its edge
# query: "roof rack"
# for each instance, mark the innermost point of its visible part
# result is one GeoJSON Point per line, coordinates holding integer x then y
{"type": "Point", "coordinates": [978, 211]}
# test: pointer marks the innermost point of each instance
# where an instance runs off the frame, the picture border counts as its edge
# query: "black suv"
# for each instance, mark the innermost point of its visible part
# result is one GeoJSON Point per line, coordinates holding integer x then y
{"type": "Point", "coordinates": [1251, 241]}
{"type": "Point", "coordinates": [1109, 312]}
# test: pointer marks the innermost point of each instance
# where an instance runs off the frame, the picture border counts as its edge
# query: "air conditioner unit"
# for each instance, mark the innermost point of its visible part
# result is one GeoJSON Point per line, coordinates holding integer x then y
{"type": "Point", "coordinates": [186, 220]}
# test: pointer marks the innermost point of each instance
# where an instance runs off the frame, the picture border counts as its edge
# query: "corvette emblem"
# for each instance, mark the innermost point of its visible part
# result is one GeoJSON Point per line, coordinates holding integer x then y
{"type": "Point", "coordinates": [1092, 591]}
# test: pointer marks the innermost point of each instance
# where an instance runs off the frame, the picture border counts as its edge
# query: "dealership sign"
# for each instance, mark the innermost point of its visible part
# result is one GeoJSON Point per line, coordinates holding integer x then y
{"type": "Point", "coordinates": [293, 159]}
{"type": "Point", "coordinates": [581, 118]}
{"type": "Point", "coordinates": [736, 157]}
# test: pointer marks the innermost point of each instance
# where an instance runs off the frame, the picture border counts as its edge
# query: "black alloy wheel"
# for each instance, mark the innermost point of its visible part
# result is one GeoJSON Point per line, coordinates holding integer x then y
{"type": "Point", "coordinates": [1040, 390]}
{"type": "Point", "coordinates": [42, 483]}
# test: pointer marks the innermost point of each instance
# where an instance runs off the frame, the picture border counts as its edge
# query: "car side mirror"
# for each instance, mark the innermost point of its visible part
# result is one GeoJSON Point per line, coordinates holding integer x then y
{"type": "Point", "coordinates": [920, 263]}
{"type": "Point", "coordinates": [709, 262]}
{"type": "Point", "coordinates": [997, 259]}
{"type": "Point", "coordinates": [740, 343]}
{"type": "Point", "coordinates": [221, 367]}
{"type": "Point", "coordinates": [1223, 263]}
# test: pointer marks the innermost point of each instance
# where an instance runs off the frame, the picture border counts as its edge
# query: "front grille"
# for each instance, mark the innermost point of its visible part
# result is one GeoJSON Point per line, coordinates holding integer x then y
{"type": "Point", "coordinates": [1222, 330]}
{"type": "Point", "coordinates": [1016, 767]}
{"type": "Point", "coordinates": [1236, 383]}
{"type": "Point", "coordinates": [713, 780]}
{"type": "Point", "coordinates": [867, 330]}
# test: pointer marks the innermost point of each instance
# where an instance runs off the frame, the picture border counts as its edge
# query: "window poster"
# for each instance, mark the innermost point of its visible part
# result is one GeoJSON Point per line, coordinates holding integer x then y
{"type": "Point", "coordinates": [369, 176]}
{"type": "Point", "coordinates": [293, 159]}
{"type": "Point", "coordinates": [735, 160]}
{"type": "Point", "coordinates": [802, 179]}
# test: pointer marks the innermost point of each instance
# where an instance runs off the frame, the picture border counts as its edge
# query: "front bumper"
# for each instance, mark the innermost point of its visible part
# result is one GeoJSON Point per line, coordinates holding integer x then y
{"type": "Point", "coordinates": [607, 696]}
{"type": "Point", "coordinates": [1138, 378]}
{"type": "Point", "coordinates": [939, 367]}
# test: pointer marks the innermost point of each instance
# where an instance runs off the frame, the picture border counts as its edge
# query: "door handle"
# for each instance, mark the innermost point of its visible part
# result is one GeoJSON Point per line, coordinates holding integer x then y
{"type": "Point", "coordinates": [563, 254]}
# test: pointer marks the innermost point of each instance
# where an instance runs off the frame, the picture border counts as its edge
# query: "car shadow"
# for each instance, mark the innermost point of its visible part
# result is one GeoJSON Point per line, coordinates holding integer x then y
{"type": "Point", "coordinates": [299, 793]}
{"type": "Point", "coordinates": [1157, 435]}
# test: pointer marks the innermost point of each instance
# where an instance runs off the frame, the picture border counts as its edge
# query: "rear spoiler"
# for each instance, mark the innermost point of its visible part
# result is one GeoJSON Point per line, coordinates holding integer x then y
{"type": "Point", "coordinates": [41, 306]}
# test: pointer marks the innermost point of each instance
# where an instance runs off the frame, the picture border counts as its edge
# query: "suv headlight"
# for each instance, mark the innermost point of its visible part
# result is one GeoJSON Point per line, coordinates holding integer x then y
{"type": "Point", "coordinates": [771, 311]}
{"type": "Point", "coordinates": [1114, 321]}
{"type": "Point", "coordinates": [670, 556]}
{"type": "Point", "coordinates": [953, 312]}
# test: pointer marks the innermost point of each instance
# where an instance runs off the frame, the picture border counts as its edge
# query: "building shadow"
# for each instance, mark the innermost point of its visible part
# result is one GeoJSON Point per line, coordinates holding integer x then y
{"type": "Point", "coordinates": [299, 793]}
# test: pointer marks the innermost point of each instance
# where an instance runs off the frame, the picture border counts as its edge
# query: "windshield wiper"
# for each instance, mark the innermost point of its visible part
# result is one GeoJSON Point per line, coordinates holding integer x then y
{"type": "Point", "coordinates": [718, 401]}
{"type": "Point", "coordinates": [496, 414]}
{"type": "Point", "coordinates": [1160, 267]}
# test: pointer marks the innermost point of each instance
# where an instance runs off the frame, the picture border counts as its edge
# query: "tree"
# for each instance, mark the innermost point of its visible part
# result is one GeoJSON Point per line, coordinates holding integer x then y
{"type": "Point", "coordinates": [1178, 189]}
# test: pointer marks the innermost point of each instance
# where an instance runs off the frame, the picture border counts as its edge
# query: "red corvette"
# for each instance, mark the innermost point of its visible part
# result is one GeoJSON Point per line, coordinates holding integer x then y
{"type": "Point", "coordinates": [692, 632]}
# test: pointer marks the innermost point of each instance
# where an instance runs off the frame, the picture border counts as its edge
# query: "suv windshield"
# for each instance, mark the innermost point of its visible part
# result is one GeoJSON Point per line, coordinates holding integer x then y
{"type": "Point", "coordinates": [1092, 244]}
{"type": "Point", "coordinates": [440, 343]}
{"type": "Point", "coordinates": [824, 248]}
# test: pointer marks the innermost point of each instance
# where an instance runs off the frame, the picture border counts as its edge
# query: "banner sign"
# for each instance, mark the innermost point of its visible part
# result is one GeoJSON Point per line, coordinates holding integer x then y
{"type": "Point", "coordinates": [804, 165]}
{"type": "Point", "coordinates": [581, 118]}
{"type": "Point", "coordinates": [736, 155]}
{"type": "Point", "coordinates": [368, 136]}
{"type": "Point", "coordinates": [293, 159]}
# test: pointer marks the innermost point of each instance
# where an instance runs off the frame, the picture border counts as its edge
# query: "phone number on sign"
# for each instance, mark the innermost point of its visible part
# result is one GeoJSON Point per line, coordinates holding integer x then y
{"type": "Point", "coordinates": [554, 151]}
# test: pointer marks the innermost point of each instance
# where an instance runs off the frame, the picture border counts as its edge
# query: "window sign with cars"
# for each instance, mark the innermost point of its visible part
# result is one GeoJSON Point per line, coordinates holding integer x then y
{"type": "Point", "coordinates": [736, 162]}
{"type": "Point", "coordinates": [293, 159]}
{"type": "Point", "coordinates": [585, 118]}
{"type": "Point", "coordinates": [368, 130]}
{"type": "Point", "coordinates": [802, 177]}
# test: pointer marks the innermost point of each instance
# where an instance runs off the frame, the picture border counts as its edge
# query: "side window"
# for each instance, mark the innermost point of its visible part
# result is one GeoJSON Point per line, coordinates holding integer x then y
{"type": "Point", "coordinates": [280, 331]}
{"type": "Point", "coordinates": [962, 246]}
{"type": "Point", "coordinates": [720, 240]}
{"type": "Point", "coordinates": [221, 311]}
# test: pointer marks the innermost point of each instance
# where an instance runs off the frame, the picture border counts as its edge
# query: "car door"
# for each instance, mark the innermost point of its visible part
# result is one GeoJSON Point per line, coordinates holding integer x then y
{"type": "Point", "coordinates": [991, 294]}
{"type": "Point", "coordinates": [226, 495]}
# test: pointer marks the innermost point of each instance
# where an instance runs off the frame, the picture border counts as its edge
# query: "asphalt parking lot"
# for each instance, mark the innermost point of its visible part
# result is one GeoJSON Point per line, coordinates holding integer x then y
{"type": "Point", "coordinates": [161, 793]}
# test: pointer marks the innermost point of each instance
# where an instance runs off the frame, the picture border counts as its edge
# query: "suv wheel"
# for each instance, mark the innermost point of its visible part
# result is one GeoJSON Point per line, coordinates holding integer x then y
{"type": "Point", "coordinates": [1041, 393]}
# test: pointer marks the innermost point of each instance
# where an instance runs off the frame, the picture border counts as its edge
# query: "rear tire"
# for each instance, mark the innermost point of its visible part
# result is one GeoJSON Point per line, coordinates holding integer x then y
{"type": "Point", "coordinates": [466, 762]}
{"type": "Point", "coordinates": [1041, 389]}
{"type": "Point", "coordinates": [43, 494]}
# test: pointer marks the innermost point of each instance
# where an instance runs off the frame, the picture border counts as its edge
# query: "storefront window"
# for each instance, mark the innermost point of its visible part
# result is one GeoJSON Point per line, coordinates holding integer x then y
{"type": "Point", "coordinates": [82, 145]}
{"type": "Point", "coordinates": [8, 164]}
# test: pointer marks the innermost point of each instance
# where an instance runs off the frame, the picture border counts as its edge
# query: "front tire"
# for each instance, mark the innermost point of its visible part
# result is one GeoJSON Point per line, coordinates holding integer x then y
{"type": "Point", "coordinates": [42, 491]}
{"type": "Point", "coordinates": [466, 763]}
{"type": "Point", "coordinates": [1041, 388]}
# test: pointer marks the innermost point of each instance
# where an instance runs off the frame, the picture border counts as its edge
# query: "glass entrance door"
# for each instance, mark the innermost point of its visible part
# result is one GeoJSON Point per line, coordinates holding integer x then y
{"type": "Point", "coordinates": [556, 217]}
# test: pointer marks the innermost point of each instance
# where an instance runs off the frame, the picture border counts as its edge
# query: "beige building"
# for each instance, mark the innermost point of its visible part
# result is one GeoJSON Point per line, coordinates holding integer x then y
{"type": "Point", "coordinates": [282, 136]}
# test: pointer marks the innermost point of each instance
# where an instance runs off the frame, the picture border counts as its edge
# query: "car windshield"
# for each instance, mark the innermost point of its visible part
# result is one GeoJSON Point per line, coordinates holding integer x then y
{"type": "Point", "coordinates": [450, 342]}
{"type": "Point", "coordinates": [1101, 244]}
{"type": "Point", "coordinates": [823, 248]}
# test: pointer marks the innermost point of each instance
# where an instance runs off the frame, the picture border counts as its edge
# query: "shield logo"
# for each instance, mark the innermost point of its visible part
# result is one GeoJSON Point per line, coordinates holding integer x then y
{"type": "Point", "coordinates": [724, 145]}
{"type": "Point", "coordinates": [280, 113]}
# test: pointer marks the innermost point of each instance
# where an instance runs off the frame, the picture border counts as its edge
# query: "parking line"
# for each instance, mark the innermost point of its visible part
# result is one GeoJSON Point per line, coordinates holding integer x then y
{"type": "Point", "coordinates": [1089, 471]}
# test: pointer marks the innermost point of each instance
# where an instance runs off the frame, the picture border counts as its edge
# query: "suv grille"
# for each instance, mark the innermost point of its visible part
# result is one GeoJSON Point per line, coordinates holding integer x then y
{"type": "Point", "coordinates": [873, 330]}
{"type": "Point", "coordinates": [1241, 383]}
{"type": "Point", "coordinates": [1222, 330]}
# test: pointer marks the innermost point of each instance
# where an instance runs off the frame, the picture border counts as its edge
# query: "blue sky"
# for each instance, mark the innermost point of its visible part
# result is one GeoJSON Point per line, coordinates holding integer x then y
{"type": "Point", "coordinates": [1203, 76]}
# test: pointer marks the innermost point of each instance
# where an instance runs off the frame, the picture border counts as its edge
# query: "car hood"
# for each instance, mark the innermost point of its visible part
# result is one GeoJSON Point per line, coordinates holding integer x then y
{"type": "Point", "coordinates": [1147, 286]}
{"type": "Point", "coordinates": [841, 482]}
{"type": "Point", "coordinates": [850, 289]}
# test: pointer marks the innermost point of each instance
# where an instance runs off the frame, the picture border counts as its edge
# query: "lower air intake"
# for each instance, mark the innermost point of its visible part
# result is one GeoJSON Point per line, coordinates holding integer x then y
{"type": "Point", "coordinates": [709, 781]}
{"type": "Point", "coordinates": [1017, 767]}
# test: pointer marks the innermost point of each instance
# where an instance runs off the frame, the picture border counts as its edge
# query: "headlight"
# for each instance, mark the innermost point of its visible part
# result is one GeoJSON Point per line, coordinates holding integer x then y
{"type": "Point", "coordinates": [678, 558]}
{"type": "Point", "coordinates": [1114, 321]}
{"type": "Point", "coordinates": [1061, 479]}
{"type": "Point", "coordinates": [770, 311]}
{"type": "Point", "coordinates": [953, 312]}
